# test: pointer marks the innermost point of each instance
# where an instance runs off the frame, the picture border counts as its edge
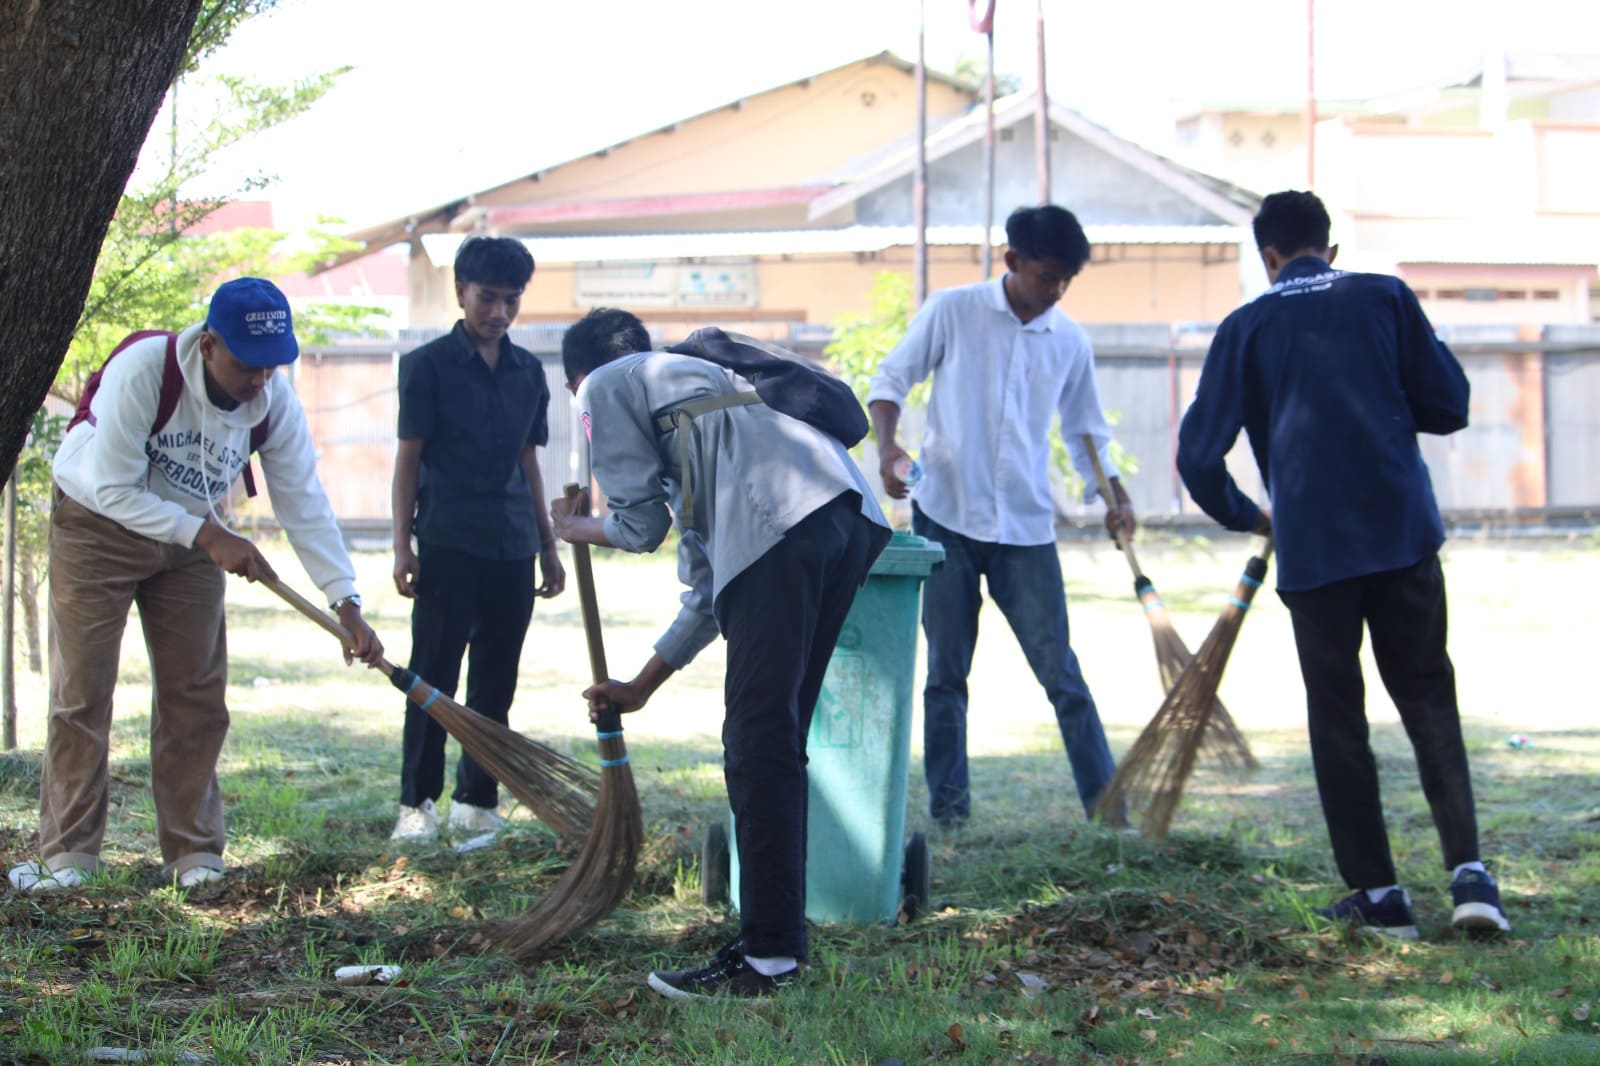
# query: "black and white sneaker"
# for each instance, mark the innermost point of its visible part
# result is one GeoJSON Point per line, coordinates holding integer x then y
{"type": "Point", "coordinates": [1477, 900]}
{"type": "Point", "coordinates": [727, 974]}
{"type": "Point", "coordinates": [1391, 917]}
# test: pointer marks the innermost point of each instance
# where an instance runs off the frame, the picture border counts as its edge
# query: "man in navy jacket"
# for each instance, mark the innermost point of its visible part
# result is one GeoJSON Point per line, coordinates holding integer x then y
{"type": "Point", "coordinates": [1332, 375]}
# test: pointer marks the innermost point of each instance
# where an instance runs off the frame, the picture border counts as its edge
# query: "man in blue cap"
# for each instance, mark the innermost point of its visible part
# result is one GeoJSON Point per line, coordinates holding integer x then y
{"type": "Point", "coordinates": [144, 484]}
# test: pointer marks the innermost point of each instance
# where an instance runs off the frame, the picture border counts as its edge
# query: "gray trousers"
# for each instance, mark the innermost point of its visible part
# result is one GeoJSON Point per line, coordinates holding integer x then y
{"type": "Point", "coordinates": [97, 569]}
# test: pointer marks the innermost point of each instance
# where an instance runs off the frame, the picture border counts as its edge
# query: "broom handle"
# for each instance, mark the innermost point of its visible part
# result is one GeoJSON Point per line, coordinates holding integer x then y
{"type": "Point", "coordinates": [321, 617]}
{"type": "Point", "coordinates": [590, 609]}
{"type": "Point", "coordinates": [1105, 494]}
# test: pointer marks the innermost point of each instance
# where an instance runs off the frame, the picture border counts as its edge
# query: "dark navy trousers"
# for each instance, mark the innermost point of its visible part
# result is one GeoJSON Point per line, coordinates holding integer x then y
{"type": "Point", "coordinates": [782, 618]}
{"type": "Point", "coordinates": [1405, 611]}
{"type": "Point", "coordinates": [463, 601]}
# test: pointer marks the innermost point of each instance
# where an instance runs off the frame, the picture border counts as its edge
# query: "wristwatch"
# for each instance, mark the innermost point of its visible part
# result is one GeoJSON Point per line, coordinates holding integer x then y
{"type": "Point", "coordinates": [351, 599]}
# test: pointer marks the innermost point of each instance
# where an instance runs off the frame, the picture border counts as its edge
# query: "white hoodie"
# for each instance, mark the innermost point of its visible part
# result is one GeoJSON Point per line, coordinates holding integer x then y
{"type": "Point", "coordinates": [163, 485]}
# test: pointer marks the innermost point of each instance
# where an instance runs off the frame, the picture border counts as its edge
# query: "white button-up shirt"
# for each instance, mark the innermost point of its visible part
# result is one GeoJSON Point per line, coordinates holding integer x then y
{"type": "Point", "coordinates": [997, 382]}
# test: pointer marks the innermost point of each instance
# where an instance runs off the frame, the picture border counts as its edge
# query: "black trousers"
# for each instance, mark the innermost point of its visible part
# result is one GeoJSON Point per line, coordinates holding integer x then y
{"type": "Point", "coordinates": [782, 618]}
{"type": "Point", "coordinates": [1405, 612]}
{"type": "Point", "coordinates": [463, 600]}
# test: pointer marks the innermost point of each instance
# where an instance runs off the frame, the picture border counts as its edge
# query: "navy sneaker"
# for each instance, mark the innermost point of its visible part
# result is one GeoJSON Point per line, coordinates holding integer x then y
{"type": "Point", "coordinates": [727, 974]}
{"type": "Point", "coordinates": [1477, 900]}
{"type": "Point", "coordinates": [1390, 917]}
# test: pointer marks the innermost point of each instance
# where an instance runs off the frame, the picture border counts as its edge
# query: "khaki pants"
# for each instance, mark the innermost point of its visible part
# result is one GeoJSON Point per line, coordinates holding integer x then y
{"type": "Point", "coordinates": [97, 569]}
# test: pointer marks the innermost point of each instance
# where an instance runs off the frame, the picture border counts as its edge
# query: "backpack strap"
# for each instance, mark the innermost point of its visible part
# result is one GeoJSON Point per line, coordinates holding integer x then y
{"type": "Point", "coordinates": [171, 380]}
{"type": "Point", "coordinates": [171, 386]}
{"type": "Point", "coordinates": [258, 437]}
{"type": "Point", "coordinates": [679, 418]}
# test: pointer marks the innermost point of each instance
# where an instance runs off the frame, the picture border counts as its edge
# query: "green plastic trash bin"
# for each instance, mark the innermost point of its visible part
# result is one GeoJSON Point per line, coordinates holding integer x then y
{"type": "Point", "coordinates": [859, 867]}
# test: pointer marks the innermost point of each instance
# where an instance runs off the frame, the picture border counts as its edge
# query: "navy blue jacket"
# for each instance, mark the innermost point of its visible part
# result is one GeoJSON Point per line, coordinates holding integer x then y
{"type": "Point", "coordinates": [1332, 375]}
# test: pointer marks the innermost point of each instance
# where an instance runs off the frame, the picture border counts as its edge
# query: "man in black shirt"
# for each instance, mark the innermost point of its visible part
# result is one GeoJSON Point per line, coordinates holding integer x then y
{"type": "Point", "coordinates": [473, 414]}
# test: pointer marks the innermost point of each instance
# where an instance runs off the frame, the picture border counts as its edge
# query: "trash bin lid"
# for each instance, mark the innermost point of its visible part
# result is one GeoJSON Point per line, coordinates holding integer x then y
{"type": "Point", "coordinates": [909, 555]}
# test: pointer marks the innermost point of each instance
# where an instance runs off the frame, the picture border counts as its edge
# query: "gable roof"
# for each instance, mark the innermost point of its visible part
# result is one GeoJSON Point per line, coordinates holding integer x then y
{"type": "Point", "coordinates": [1232, 204]}
{"type": "Point", "coordinates": [439, 217]}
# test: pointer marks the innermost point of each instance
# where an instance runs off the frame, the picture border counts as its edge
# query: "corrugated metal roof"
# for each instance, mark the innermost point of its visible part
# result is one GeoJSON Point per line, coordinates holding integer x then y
{"type": "Point", "coordinates": [651, 247]}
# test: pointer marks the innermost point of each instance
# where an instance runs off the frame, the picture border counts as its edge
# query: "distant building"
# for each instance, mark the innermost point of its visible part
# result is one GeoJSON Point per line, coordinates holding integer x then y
{"type": "Point", "coordinates": [1479, 190]}
{"type": "Point", "coordinates": [778, 209]}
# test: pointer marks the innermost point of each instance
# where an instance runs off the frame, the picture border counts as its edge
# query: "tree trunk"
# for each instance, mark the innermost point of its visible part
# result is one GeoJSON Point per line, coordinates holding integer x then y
{"type": "Point", "coordinates": [80, 83]}
{"type": "Point", "coordinates": [28, 585]}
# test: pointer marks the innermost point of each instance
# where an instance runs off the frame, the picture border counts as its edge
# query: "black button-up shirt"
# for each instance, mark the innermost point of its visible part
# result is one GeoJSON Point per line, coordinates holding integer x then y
{"type": "Point", "coordinates": [472, 493]}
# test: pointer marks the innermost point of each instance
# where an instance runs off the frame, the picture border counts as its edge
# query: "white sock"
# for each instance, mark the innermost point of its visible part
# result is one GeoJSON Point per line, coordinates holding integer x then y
{"type": "Point", "coordinates": [771, 967]}
{"type": "Point", "coordinates": [1478, 866]}
{"type": "Point", "coordinates": [1376, 894]}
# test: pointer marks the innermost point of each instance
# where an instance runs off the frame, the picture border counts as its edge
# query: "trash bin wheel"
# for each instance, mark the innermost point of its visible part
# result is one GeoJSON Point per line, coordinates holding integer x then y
{"type": "Point", "coordinates": [917, 878]}
{"type": "Point", "coordinates": [714, 866]}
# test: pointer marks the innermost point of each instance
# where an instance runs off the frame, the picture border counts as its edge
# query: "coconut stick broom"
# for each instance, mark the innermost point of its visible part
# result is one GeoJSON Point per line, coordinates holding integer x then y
{"type": "Point", "coordinates": [1156, 769]}
{"type": "Point", "coordinates": [559, 790]}
{"type": "Point", "coordinates": [1223, 739]}
{"type": "Point", "coordinates": [603, 872]}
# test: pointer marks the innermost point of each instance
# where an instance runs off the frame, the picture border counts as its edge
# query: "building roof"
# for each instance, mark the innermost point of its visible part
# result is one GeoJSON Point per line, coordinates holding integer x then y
{"type": "Point", "coordinates": [645, 247]}
{"type": "Point", "coordinates": [1229, 202]}
{"type": "Point", "coordinates": [1527, 74]}
{"type": "Point", "coordinates": [439, 216]}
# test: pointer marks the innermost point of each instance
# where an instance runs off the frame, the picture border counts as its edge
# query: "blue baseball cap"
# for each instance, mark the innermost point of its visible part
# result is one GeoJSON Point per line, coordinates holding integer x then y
{"type": "Point", "coordinates": [252, 317]}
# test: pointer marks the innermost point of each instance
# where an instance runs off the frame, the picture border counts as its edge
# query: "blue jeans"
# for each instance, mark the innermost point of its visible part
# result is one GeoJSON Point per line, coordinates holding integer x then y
{"type": "Point", "coordinates": [1026, 585]}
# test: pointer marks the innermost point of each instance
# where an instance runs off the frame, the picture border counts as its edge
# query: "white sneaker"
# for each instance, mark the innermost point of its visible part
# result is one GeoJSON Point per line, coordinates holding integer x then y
{"type": "Point", "coordinates": [465, 818]}
{"type": "Point", "coordinates": [416, 825]}
{"type": "Point", "coordinates": [34, 877]}
{"type": "Point", "coordinates": [195, 876]}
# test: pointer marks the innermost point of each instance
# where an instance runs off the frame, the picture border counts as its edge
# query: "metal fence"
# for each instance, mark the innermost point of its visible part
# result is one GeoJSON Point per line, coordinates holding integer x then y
{"type": "Point", "coordinates": [1531, 454]}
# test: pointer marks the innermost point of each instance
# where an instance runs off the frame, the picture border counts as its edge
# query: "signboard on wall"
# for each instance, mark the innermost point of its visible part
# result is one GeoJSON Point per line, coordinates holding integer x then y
{"type": "Point", "coordinates": [690, 285]}
{"type": "Point", "coordinates": [717, 285]}
{"type": "Point", "coordinates": [629, 285]}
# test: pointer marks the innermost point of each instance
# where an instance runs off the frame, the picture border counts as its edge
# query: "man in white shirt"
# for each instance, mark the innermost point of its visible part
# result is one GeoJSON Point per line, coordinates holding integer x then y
{"type": "Point", "coordinates": [1004, 360]}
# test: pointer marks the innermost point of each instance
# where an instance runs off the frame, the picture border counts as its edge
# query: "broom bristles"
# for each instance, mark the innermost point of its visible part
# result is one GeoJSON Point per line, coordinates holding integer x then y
{"type": "Point", "coordinates": [1223, 742]}
{"type": "Point", "coordinates": [1156, 769]}
{"type": "Point", "coordinates": [602, 873]}
{"type": "Point", "coordinates": [558, 789]}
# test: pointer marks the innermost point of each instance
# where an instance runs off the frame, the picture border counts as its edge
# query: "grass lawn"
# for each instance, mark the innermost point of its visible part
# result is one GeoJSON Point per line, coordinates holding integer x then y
{"type": "Point", "coordinates": [1048, 941]}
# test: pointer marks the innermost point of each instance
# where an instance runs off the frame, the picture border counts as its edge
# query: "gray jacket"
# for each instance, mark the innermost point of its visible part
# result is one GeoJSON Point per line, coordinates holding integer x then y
{"type": "Point", "coordinates": [755, 473]}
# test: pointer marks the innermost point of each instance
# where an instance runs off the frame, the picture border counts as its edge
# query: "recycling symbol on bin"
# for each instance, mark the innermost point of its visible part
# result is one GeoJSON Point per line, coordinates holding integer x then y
{"type": "Point", "coordinates": [838, 720]}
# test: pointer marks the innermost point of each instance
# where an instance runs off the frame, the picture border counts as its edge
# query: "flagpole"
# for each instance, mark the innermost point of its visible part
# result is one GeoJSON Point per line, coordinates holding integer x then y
{"type": "Point", "coordinates": [1041, 121]}
{"type": "Point", "coordinates": [988, 147]}
{"type": "Point", "coordinates": [919, 192]}
{"type": "Point", "coordinates": [1311, 94]}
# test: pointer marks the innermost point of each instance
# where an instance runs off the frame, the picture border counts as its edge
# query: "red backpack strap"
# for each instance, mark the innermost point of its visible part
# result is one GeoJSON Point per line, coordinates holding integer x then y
{"type": "Point", "coordinates": [171, 380]}
{"type": "Point", "coordinates": [258, 437]}
{"type": "Point", "coordinates": [171, 384]}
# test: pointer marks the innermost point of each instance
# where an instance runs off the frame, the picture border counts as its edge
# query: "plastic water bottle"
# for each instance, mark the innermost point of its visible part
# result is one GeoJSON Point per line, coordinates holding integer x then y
{"type": "Point", "coordinates": [1519, 740]}
{"type": "Point", "coordinates": [908, 470]}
